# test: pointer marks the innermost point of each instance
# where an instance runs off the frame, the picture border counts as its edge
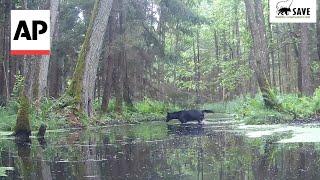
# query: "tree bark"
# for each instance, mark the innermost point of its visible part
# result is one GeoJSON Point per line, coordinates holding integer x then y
{"type": "Point", "coordinates": [5, 49]}
{"type": "Point", "coordinates": [107, 88]}
{"type": "Point", "coordinates": [125, 69]}
{"type": "Point", "coordinates": [118, 83]}
{"type": "Point", "coordinates": [82, 85]}
{"type": "Point", "coordinates": [260, 49]}
{"type": "Point", "coordinates": [272, 57]}
{"type": "Point", "coordinates": [306, 76]}
{"type": "Point", "coordinates": [44, 62]}
{"type": "Point", "coordinates": [2, 64]}
{"type": "Point", "coordinates": [109, 60]}
{"type": "Point", "coordinates": [318, 28]}
{"type": "Point", "coordinates": [196, 59]}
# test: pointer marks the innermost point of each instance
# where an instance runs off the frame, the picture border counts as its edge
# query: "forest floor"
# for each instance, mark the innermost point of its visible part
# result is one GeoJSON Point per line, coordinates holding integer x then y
{"type": "Point", "coordinates": [294, 109]}
{"type": "Point", "coordinates": [47, 113]}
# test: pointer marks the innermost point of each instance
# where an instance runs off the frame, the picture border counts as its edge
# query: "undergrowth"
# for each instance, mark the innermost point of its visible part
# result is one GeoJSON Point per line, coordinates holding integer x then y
{"type": "Point", "coordinates": [49, 112]}
{"type": "Point", "coordinates": [145, 110]}
{"type": "Point", "coordinates": [253, 111]}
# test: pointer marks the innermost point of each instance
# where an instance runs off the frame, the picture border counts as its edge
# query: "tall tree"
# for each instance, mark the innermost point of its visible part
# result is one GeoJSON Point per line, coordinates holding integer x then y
{"type": "Point", "coordinates": [83, 81]}
{"type": "Point", "coordinates": [22, 127]}
{"type": "Point", "coordinates": [260, 48]}
{"type": "Point", "coordinates": [318, 28]}
{"type": "Point", "coordinates": [5, 8]}
{"type": "Point", "coordinates": [304, 64]}
{"type": "Point", "coordinates": [125, 68]}
{"type": "Point", "coordinates": [44, 62]}
{"type": "Point", "coordinates": [109, 59]}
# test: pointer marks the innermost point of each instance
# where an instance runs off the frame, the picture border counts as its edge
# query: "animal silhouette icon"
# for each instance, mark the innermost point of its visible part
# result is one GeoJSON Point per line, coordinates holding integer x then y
{"type": "Point", "coordinates": [284, 7]}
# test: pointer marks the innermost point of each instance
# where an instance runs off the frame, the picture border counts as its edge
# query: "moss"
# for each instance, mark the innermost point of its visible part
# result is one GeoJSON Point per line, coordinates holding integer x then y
{"type": "Point", "coordinates": [22, 124]}
{"type": "Point", "coordinates": [75, 88]}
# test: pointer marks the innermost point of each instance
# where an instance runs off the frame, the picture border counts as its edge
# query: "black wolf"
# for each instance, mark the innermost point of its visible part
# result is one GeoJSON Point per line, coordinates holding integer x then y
{"type": "Point", "coordinates": [188, 115]}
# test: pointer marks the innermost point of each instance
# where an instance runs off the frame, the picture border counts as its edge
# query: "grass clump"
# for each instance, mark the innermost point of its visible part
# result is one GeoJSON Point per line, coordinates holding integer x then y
{"type": "Point", "coordinates": [291, 107]}
{"type": "Point", "coordinates": [43, 113]}
{"type": "Point", "coordinates": [7, 119]}
{"type": "Point", "coordinates": [49, 112]}
{"type": "Point", "coordinates": [145, 110]}
{"type": "Point", "coordinates": [229, 107]}
{"type": "Point", "coordinates": [253, 111]}
{"type": "Point", "coordinates": [22, 124]}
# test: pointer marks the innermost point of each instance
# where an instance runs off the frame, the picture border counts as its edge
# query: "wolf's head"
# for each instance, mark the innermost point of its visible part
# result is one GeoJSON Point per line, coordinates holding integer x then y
{"type": "Point", "coordinates": [169, 117]}
{"type": "Point", "coordinates": [174, 115]}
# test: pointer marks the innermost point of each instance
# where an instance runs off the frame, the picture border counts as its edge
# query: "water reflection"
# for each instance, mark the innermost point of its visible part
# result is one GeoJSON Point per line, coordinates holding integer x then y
{"type": "Point", "coordinates": [42, 142]}
{"type": "Point", "coordinates": [23, 145]}
{"type": "Point", "coordinates": [160, 151]}
{"type": "Point", "coordinates": [186, 129]}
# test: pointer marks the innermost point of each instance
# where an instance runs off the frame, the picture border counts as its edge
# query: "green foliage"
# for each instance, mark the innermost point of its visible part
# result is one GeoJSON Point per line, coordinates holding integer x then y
{"type": "Point", "coordinates": [146, 110]}
{"type": "Point", "coordinates": [22, 123]}
{"type": "Point", "coordinates": [232, 73]}
{"type": "Point", "coordinates": [181, 11]}
{"type": "Point", "coordinates": [229, 107]}
{"type": "Point", "coordinates": [299, 107]}
{"type": "Point", "coordinates": [7, 119]}
{"type": "Point", "coordinates": [315, 67]}
{"type": "Point", "coordinates": [13, 104]}
{"type": "Point", "coordinates": [292, 106]}
{"type": "Point", "coordinates": [253, 111]}
{"type": "Point", "coordinates": [18, 86]}
{"type": "Point", "coordinates": [151, 106]}
{"type": "Point", "coordinates": [316, 100]}
{"type": "Point", "coordinates": [49, 112]}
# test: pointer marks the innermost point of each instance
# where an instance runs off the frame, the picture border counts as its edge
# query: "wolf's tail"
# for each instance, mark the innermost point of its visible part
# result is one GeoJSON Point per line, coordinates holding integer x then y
{"type": "Point", "coordinates": [207, 111]}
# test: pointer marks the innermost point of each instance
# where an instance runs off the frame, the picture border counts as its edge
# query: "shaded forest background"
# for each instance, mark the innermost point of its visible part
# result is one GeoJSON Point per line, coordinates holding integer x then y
{"type": "Point", "coordinates": [178, 51]}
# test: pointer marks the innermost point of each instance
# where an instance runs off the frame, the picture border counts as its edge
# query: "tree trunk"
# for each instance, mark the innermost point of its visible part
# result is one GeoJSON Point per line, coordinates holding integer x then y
{"type": "Point", "coordinates": [5, 49]}
{"type": "Point", "coordinates": [272, 58]}
{"type": "Point", "coordinates": [318, 28]}
{"type": "Point", "coordinates": [197, 68]}
{"type": "Point", "coordinates": [118, 83]}
{"type": "Point", "coordinates": [44, 62]}
{"type": "Point", "coordinates": [82, 85]}
{"type": "Point", "coordinates": [120, 71]}
{"type": "Point", "coordinates": [2, 55]}
{"type": "Point", "coordinates": [107, 88]}
{"type": "Point", "coordinates": [306, 76]}
{"type": "Point", "coordinates": [22, 127]}
{"type": "Point", "coordinates": [260, 49]}
{"type": "Point", "coordinates": [125, 70]}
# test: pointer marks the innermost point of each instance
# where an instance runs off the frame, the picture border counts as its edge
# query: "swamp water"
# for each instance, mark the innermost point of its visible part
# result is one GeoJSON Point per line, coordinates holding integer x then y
{"type": "Point", "coordinates": [219, 149]}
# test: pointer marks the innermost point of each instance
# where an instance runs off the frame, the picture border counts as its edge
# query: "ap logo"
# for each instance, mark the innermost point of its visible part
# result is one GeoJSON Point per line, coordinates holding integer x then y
{"type": "Point", "coordinates": [30, 32]}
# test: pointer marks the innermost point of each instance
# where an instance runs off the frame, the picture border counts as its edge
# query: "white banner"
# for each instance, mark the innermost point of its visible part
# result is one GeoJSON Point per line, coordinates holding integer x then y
{"type": "Point", "coordinates": [293, 11]}
{"type": "Point", "coordinates": [30, 32]}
